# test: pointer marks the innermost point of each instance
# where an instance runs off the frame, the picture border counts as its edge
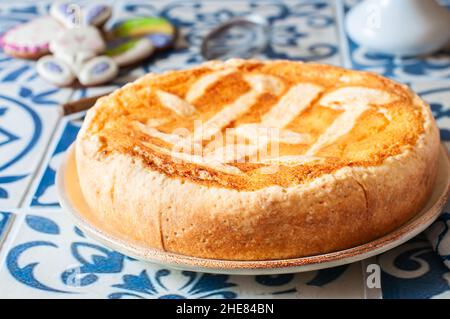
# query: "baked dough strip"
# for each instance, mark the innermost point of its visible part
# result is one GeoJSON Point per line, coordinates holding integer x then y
{"type": "Point", "coordinates": [354, 101]}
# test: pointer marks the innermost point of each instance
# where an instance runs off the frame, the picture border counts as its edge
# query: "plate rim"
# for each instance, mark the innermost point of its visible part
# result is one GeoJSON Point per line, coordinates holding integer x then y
{"type": "Point", "coordinates": [261, 267]}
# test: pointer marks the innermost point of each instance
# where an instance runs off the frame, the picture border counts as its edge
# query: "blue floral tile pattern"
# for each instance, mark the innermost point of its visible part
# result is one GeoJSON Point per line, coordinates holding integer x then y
{"type": "Point", "coordinates": [24, 99]}
{"type": "Point", "coordinates": [414, 271]}
{"type": "Point", "coordinates": [435, 66]}
{"type": "Point", "coordinates": [302, 30]}
{"type": "Point", "coordinates": [44, 193]}
{"type": "Point", "coordinates": [28, 116]}
{"type": "Point", "coordinates": [6, 219]}
{"type": "Point", "coordinates": [77, 267]}
{"type": "Point", "coordinates": [437, 94]}
{"type": "Point", "coordinates": [439, 236]}
{"type": "Point", "coordinates": [194, 284]}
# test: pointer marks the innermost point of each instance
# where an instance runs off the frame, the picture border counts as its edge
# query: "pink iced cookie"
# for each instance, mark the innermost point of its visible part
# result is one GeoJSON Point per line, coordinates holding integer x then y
{"type": "Point", "coordinates": [31, 40]}
{"type": "Point", "coordinates": [77, 45]}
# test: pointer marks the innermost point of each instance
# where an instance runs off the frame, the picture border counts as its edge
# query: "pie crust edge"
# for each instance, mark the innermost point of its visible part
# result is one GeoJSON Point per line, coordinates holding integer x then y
{"type": "Point", "coordinates": [348, 207]}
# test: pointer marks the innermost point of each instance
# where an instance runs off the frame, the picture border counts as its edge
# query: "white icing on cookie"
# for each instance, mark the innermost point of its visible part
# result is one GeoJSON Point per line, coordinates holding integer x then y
{"type": "Point", "coordinates": [77, 45]}
{"type": "Point", "coordinates": [130, 52]}
{"type": "Point", "coordinates": [98, 70]}
{"type": "Point", "coordinates": [73, 15]}
{"type": "Point", "coordinates": [32, 37]}
{"type": "Point", "coordinates": [55, 70]}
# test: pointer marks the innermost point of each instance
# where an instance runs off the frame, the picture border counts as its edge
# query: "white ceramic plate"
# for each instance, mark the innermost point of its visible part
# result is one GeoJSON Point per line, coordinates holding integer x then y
{"type": "Point", "coordinates": [73, 202]}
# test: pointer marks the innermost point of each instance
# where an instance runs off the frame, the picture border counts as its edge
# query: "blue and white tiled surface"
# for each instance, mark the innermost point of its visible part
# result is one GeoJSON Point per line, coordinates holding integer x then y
{"type": "Point", "coordinates": [426, 68]}
{"type": "Point", "coordinates": [42, 254]}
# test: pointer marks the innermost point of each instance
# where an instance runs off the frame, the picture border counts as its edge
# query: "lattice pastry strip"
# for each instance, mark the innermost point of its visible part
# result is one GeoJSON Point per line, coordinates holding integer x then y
{"type": "Point", "coordinates": [353, 101]}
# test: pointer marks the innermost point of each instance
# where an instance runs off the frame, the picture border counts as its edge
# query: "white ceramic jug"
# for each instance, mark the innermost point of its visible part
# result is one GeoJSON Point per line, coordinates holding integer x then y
{"type": "Point", "coordinates": [399, 27]}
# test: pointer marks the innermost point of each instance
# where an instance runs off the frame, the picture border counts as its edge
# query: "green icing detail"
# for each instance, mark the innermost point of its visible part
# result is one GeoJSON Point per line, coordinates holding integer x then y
{"type": "Point", "coordinates": [124, 47]}
{"type": "Point", "coordinates": [126, 27]}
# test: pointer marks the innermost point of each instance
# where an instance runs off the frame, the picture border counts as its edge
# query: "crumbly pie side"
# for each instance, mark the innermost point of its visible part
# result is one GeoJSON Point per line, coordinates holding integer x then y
{"type": "Point", "coordinates": [356, 157]}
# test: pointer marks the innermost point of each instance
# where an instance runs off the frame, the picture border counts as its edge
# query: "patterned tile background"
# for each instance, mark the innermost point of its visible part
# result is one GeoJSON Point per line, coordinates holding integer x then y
{"type": "Point", "coordinates": [42, 254]}
{"type": "Point", "coordinates": [426, 68]}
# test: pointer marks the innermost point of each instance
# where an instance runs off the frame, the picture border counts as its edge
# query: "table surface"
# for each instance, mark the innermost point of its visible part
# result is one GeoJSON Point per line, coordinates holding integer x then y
{"type": "Point", "coordinates": [42, 254]}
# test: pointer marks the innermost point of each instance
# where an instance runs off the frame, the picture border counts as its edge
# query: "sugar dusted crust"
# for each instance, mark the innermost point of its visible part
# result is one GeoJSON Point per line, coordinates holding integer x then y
{"type": "Point", "coordinates": [355, 185]}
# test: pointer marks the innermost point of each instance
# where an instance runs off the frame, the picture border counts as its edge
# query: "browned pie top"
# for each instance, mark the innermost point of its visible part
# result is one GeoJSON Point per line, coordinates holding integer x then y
{"type": "Point", "coordinates": [250, 124]}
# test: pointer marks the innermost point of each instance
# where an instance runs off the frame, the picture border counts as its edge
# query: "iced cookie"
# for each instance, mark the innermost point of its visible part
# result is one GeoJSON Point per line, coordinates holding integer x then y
{"type": "Point", "coordinates": [98, 70]}
{"type": "Point", "coordinates": [127, 52]}
{"type": "Point", "coordinates": [55, 70]}
{"type": "Point", "coordinates": [72, 15]}
{"type": "Point", "coordinates": [31, 40]}
{"type": "Point", "coordinates": [77, 45]}
{"type": "Point", "coordinates": [158, 30]}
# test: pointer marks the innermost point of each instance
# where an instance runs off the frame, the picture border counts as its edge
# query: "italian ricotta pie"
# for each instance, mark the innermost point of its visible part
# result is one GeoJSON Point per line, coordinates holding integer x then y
{"type": "Point", "coordinates": [255, 160]}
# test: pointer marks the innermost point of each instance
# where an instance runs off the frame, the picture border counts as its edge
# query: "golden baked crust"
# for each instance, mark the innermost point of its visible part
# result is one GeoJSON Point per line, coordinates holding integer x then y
{"type": "Point", "coordinates": [355, 155]}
